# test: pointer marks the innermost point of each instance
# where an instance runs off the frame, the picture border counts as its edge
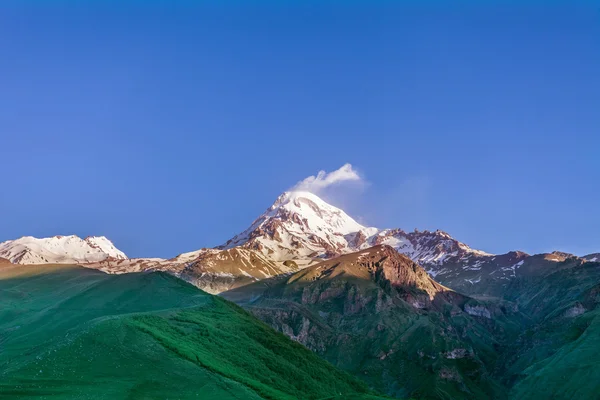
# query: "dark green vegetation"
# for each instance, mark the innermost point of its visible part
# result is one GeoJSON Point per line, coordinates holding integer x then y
{"type": "Point", "coordinates": [558, 354]}
{"type": "Point", "coordinates": [70, 332]}
{"type": "Point", "coordinates": [539, 338]}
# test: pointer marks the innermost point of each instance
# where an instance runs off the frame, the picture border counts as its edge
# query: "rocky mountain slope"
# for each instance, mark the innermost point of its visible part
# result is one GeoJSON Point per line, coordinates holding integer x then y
{"type": "Point", "coordinates": [379, 315]}
{"type": "Point", "coordinates": [211, 270]}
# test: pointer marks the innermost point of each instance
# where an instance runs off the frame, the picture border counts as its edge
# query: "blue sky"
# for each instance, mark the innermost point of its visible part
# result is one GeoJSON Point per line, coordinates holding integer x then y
{"type": "Point", "coordinates": [171, 127]}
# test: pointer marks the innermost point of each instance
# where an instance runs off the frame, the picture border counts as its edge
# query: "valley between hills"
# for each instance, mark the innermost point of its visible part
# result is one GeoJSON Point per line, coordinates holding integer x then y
{"type": "Point", "coordinates": [305, 303]}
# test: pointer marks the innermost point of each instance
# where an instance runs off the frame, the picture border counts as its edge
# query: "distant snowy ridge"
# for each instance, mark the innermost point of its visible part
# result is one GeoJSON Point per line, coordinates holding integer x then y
{"type": "Point", "coordinates": [59, 249]}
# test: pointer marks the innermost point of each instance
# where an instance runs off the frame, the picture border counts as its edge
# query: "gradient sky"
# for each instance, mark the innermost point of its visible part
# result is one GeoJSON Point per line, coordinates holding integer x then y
{"type": "Point", "coordinates": [171, 127]}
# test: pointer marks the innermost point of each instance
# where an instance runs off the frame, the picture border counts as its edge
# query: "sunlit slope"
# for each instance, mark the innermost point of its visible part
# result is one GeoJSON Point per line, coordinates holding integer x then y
{"type": "Point", "coordinates": [69, 332]}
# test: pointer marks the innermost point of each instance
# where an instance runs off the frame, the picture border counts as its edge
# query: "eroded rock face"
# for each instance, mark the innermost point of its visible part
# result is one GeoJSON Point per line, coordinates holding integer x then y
{"type": "Point", "coordinates": [297, 327]}
{"type": "Point", "coordinates": [478, 311]}
{"type": "Point", "coordinates": [401, 271]}
{"type": "Point", "coordinates": [450, 374]}
{"type": "Point", "coordinates": [456, 354]}
{"type": "Point", "coordinates": [575, 311]}
{"type": "Point", "coordinates": [357, 240]}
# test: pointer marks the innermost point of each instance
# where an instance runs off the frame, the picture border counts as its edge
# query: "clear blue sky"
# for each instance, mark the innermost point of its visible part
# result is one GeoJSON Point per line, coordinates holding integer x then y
{"type": "Point", "coordinates": [170, 128]}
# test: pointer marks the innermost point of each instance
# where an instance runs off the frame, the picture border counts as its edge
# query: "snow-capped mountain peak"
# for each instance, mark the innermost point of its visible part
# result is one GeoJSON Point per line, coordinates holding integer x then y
{"type": "Point", "coordinates": [299, 225]}
{"type": "Point", "coordinates": [59, 249]}
{"type": "Point", "coordinates": [318, 213]}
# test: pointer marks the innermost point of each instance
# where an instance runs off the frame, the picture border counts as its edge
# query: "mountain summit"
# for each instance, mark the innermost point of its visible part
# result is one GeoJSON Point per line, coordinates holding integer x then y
{"type": "Point", "coordinates": [301, 225]}
{"type": "Point", "coordinates": [303, 228]}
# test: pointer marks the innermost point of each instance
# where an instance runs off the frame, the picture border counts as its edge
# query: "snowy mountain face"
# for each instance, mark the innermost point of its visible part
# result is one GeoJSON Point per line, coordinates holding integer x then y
{"type": "Point", "coordinates": [432, 249]}
{"type": "Point", "coordinates": [300, 225]}
{"type": "Point", "coordinates": [59, 250]}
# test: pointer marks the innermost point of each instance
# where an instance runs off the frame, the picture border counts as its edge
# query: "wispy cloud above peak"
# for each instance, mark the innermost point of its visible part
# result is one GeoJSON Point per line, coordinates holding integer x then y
{"type": "Point", "coordinates": [323, 180]}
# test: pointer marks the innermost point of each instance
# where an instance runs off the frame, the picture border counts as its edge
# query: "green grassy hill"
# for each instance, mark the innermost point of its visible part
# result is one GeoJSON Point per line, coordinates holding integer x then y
{"type": "Point", "coordinates": [70, 332]}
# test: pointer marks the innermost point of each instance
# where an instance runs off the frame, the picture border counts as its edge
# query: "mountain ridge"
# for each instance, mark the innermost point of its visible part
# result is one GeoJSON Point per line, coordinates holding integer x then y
{"type": "Point", "coordinates": [59, 249]}
{"type": "Point", "coordinates": [298, 230]}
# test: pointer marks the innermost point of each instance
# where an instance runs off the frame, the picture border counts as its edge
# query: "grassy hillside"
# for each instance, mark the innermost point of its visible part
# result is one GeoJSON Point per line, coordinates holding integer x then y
{"type": "Point", "coordinates": [69, 332]}
{"type": "Point", "coordinates": [571, 370]}
{"type": "Point", "coordinates": [558, 354]}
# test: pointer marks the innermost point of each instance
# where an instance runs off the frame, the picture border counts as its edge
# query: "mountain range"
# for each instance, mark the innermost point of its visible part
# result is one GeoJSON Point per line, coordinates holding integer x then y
{"type": "Point", "coordinates": [412, 314]}
{"type": "Point", "coordinates": [298, 230]}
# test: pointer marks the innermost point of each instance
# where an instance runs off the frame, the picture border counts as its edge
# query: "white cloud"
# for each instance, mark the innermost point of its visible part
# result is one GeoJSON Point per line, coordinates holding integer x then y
{"type": "Point", "coordinates": [323, 180]}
